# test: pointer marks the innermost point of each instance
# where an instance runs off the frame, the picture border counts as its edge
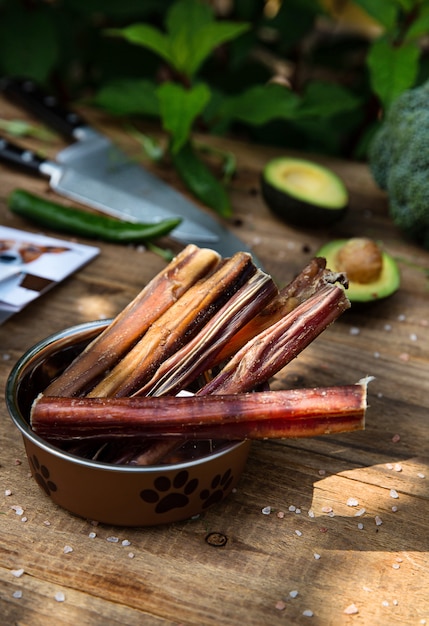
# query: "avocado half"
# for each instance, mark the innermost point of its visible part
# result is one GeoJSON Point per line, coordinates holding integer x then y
{"type": "Point", "coordinates": [386, 283]}
{"type": "Point", "coordinates": [303, 193]}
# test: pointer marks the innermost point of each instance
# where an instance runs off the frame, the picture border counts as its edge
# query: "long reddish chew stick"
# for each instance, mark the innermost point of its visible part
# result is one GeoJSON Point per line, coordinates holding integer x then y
{"type": "Point", "coordinates": [260, 415]}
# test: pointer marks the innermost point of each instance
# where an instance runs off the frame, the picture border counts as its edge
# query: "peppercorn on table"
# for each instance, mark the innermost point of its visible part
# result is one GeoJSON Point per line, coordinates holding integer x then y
{"type": "Point", "coordinates": [329, 530]}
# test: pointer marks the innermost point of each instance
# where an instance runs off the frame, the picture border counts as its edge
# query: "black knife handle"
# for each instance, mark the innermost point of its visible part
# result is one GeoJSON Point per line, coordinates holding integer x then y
{"type": "Point", "coordinates": [16, 156]}
{"type": "Point", "coordinates": [29, 96]}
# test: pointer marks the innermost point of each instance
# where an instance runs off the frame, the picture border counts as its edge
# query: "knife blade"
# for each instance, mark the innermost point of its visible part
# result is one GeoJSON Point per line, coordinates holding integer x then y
{"type": "Point", "coordinates": [94, 172]}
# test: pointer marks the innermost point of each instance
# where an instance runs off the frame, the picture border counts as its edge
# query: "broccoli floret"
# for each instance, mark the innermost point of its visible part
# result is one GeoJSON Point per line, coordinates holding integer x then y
{"type": "Point", "coordinates": [399, 161]}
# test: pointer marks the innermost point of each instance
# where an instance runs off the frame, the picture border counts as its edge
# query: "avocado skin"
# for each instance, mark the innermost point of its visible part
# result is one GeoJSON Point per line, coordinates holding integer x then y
{"type": "Point", "coordinates": [370, 292]}
{"type": "Point", "coordinates": [298, 212]}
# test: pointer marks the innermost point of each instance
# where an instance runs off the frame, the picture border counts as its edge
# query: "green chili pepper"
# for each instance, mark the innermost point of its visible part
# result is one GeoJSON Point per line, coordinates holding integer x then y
{"type": "Point", "coordinates": [200, 180]}
{"type": "Point", "coordinates": [80, 222]}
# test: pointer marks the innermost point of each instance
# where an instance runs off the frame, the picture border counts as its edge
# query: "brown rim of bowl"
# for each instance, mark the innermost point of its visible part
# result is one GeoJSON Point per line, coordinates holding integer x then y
{"type": "Point", "coordinates": [11, 392]}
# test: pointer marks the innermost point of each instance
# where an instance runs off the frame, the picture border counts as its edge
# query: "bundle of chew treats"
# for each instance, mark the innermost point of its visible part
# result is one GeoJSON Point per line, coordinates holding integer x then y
{"type": "Point", "coordinates": [219, 327]}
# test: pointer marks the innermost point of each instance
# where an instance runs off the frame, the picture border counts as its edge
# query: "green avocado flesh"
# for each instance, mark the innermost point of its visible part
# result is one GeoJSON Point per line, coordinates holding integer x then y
{"type": "Point", "coordinates": [386, 284]}
{"type": "Point", "coordinates": [303, 193]}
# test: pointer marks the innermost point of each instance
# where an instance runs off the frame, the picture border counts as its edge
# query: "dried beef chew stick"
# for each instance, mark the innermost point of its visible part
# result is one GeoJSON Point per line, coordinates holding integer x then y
{"type": "Point", "coordinates": [267, 353]}
{"type": "Point", "coordinates": [177, 325]}
{"type": "Point", "coordinates": [189, 266]}
{"type": "Point", "coordinates": [312, 278]}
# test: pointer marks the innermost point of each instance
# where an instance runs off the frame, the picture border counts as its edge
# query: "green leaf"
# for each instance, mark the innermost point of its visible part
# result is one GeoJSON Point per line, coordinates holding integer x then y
{"type": "Point", "coordinates": [146, 36]}
{"type": "Point", "coordinates": [28, 47]}
{"type": "Point", "coordinates": [420, 26]}
{"type": "Point", "coordinates": [385, 12]}
{"type": "Point", "coordinates": [392, 69]}
{"type": "Point", "coordinates": [128, 97]}
{"type": "Point", "coordinates": [321, 99]}
{"type": "Point", "coordinates": [179, 107]}
{"type": "Point", "coordinates": [260, 104]}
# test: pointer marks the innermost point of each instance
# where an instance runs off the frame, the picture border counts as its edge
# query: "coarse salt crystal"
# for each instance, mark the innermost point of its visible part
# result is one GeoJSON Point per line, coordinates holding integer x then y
{"type": "Point", "coordinates": [92, 535]}
{"type": "Point", "coordinates": [131, 555]}
{"type": "Point", "coordinates": [24, 519]}
{"type": "Point", "coordinates": [389, 466]}
{"type": "Point", "coordinates": [322, 472]}
{"type": "Point", "coordinates": [292, 508]}
{"type": "Point", "coordinates": [311, 513]}
{"type": "Point", "coordinates": [404, 356]}
{"type": "Point", "coordinates": [395, 602]}
{"type": "Point", "coordinates": [298, 511]}
{"type": "Point", "coordinates": [378, 520]}
{"type": "Point", "coordinates": [17, 573]}
{"type": "Point", "coordinates": [59, 596]}
{"type": "Point", "coordinates": [46, 522]}
{"type": "Point", "coordinates": [112, 539]}
{"type": "Point", "coordinates": [126, 542]}
{"type": "Point", "coordinates": [413, 337]}
{"type": "Point", "coordinates": [280, 514]}
{"type": "Point", "coordinates": [7, 492]}
{"type": "Point", "coordinates": [394, 493]}
{"type": "Point", "coordinates": [308, 613]}
{"type": "Point", "coordinates": [298, 533]}
{"type": "Point", "coordinates": [316, 556]}
{"type": "Point", "coordinates": [396, 566]}
{"type": "Point", "coordinates": [354, 331]}
{"type": "Point", "coordinates": [18, 509]}
{"type": "Point", "coordinates": [351, 609]}
{"type": "Point", "coordinates": [397, 467]}
{"type": "Point", "coordinates": [17, 594]}
{"type": "Point", "coordinates": [266, 510]}
{"type": "Point", "coordinates": [280, 605]}
{"type": "Point", "coordinates": [293, 594]}
{"type": "Point", "coordinates": [385, 603]}
{"type": "Point", "coordinates": [420, 475]}
{"type": "Point", "coordinates": [376, 355]}
{"type": "Point", "coordinates": [394, 509]}
{"type": "Point", "coordinates": [327, 509]}
{"type": "Point", "coordinates": [352, 502]}
{"type": "Point", "coordinates": [396, 438]}
{"type": "Point", "coordinates": [67, 549]}
{"type": "Point", "coordinates": [387, 327]}
{"type": "Point", "coordinates": [360, 512]}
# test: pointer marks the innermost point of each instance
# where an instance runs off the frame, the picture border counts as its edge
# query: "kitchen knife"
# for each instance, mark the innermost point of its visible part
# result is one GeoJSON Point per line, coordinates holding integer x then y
{"type": "Point", "coordinates": [93, 171]}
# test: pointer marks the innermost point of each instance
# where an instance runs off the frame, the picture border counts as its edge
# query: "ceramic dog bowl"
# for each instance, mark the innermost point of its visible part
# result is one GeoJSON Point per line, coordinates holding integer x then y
{"type": "Point", "coordinates": [113, 494]}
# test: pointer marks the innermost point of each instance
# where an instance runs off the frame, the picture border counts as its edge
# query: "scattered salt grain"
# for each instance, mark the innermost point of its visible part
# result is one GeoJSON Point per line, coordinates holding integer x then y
{"type": "Point", "coordinates": [352, 502]}
{"type": "Point", "coordinates": [17, 462]}
{"type": "Point", "coordinates": [292, 508]}
{"type": "Point", "coordinates": [360, 512]}
{"type": "Point", "coordinates": [387, 327]}
{"type": "Point", "coordinates": [59, 596]}
{"type": "Point", "coordinates": [280, 514]}
{"type": "Point", "coordinates": [280, 605]}
{"type": "Point", "coordinates": [112, 539]}
{"type": "Point", "coordinates": [298, 511]}
{"type": "Point", "coordinates": [413, 337]}
{"type": "Point", "coordinates": [308, 613]}
{"type": "Point", "coordinates": [397, 467]}
{"type": "Point", "coordinates": [130, 555]}
{"type": "Point", "coordinates": [92, 535]}
{"type": "Point", "coordinates": [401, 318]}
{"type": "Point", "coordinates": [67, 549]}
{"type": "Point", "coordinates": [5, 356]}
{"type": "Point", "coordinates": [376, 355]}
{"type": "Point", "coordinates": [17, 594]}
{"type": "Point", "coordinates": [17, 573]}
{"type": "Point", "coordinates": [420, 475]}
{"type": "Point", "coordinates": [395, 602]}
{"type": "Point", "coordinates": [394, 493]}
{"type": "Point", "coordinates": [46, 522]}
{"type": "Point", "coordinates": [24, 519]}
{"type": "Point", "coordinates": [322, 472]}
{"type": "Point", "coordinates": [351, 609]}
{"type": "Point", "coordinates": [311, 513]}
{"type": "Point", "coordinates": [404, 357]}
{"type": "Point", "coordinates": [18, 509]}
{"type": "Point", "coordinates": [354, 331]}
{"type": "Point", "coordinates": [396, 438]}
{"type": "Point", "coordinates": [327, 509]}
{"type": "Point", "coordinates": [394, 509]}
{"type": "Point", "coordinates": [266, 510]}
{"type": "Point", "coordinates": [7, 492]}
{"type": "Point", "coordinates": [396, 566]}
{"type": "Point", "coordinates": [298, 533]}
{"type": "Point", "coordinates": [293, 594]}
{"type": "Point", "coordinates": [378, 520]}
{"type": "Point", "coordinates": [389, 466]}
{"type": "Point", "coordinates": [385, 603]}
{"type": "Point", "coordinates": [360, 526]}
{"type": "Point", "coordinates": [316, 556]}
{"type": "Point", "coordinates": [126, 542]}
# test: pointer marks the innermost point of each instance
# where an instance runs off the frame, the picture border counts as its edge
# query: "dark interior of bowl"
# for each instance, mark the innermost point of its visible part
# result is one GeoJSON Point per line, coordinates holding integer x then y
{"type": "Point", "coordinates": [49, 362]}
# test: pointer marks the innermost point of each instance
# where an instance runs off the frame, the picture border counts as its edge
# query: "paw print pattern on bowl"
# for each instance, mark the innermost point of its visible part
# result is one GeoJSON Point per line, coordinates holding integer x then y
{"type": "Point", "coordinates": [170, 494]}
{"type": "Point", "coordinates": [219, 486]}
{"type": "Point", "coordinates": [42, 476]}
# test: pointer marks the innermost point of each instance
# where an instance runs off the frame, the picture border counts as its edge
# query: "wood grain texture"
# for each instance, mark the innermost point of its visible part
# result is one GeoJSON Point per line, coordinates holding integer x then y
{"type": "Point", "coordinates": [174, 576]}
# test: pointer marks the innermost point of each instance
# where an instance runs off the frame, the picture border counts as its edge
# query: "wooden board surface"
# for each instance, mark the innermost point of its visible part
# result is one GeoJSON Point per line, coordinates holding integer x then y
{"type": "Point", "coordinates": [309, 554]}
